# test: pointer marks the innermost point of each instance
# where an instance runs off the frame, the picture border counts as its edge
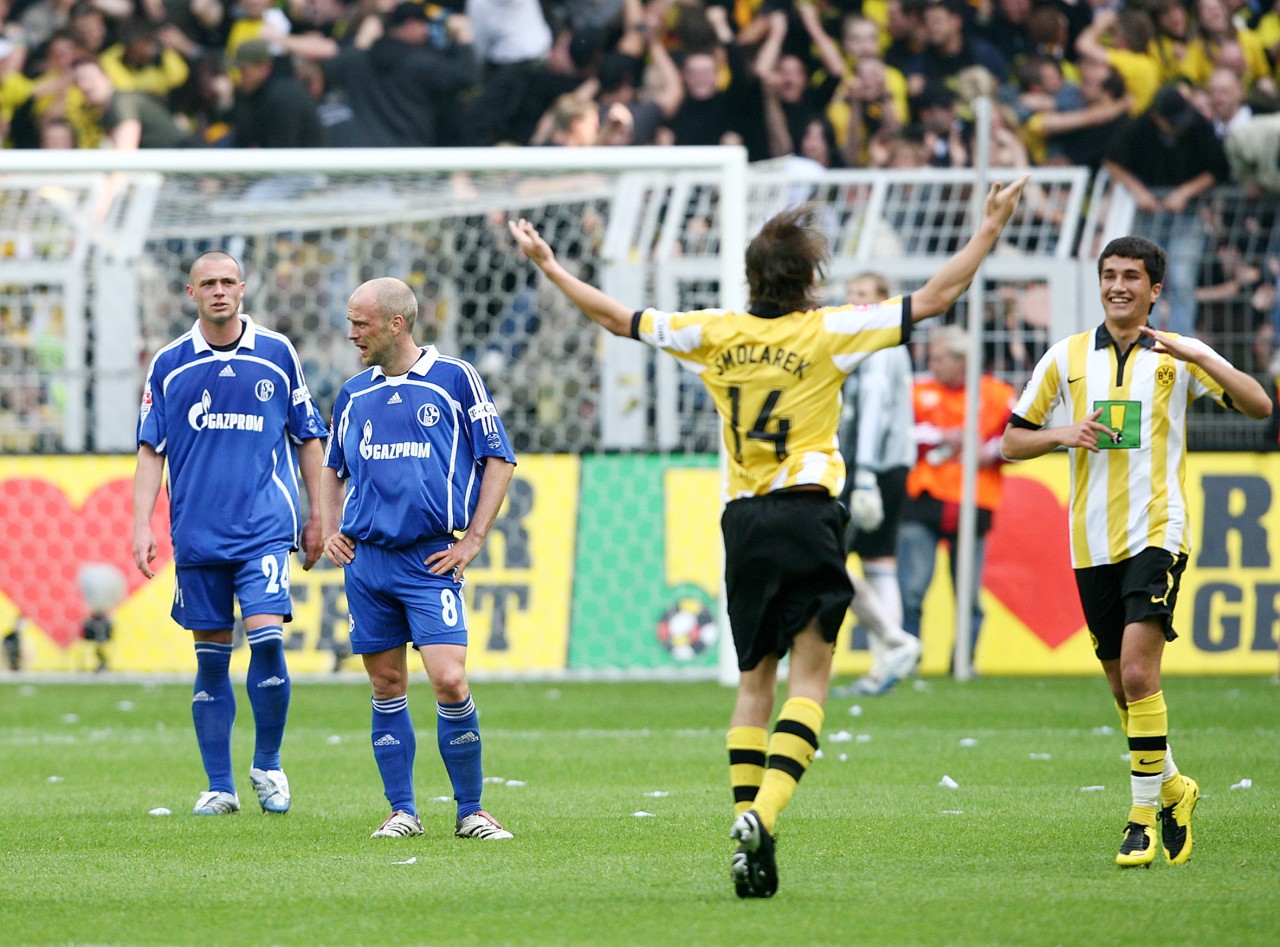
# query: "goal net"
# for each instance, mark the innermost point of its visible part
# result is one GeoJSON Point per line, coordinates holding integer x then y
{"type": "Point", "coordinates": [607, 557]}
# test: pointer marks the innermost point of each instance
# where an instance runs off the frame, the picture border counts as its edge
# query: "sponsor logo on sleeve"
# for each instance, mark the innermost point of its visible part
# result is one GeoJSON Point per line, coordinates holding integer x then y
{"type": "Point", "coordinates": [483, 410]}
{"type": "Point", "coordinates": [300, 395]}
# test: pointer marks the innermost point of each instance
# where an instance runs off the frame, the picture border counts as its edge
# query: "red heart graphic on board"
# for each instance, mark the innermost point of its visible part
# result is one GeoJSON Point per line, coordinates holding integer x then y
{"type": "Point", "coordinates": [47, 540]}
{"type": "Point", "coordinates": [1029, 564]}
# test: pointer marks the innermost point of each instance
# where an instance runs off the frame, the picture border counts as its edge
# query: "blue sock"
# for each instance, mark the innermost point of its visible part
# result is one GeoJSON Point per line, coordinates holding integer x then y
{"type": "Point", "coordinates": [213, 708]}
{"type": "Point", "coordinates": [269, 690]}
{"type": "Point", "coordinates": [458, 733]}
{"type": "Point", "coordinates": [394, 746]}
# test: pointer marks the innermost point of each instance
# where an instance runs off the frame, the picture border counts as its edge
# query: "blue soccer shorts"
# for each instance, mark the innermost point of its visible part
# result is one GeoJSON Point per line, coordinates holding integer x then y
{"type": "Point", "coordinates": [394, 600]}
{"type": "Point", "coordinates": [203, 600]}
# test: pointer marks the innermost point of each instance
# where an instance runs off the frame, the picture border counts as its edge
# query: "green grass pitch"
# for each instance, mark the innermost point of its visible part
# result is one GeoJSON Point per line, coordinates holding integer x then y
{"type": "Point", "coordinates": [872, 851]}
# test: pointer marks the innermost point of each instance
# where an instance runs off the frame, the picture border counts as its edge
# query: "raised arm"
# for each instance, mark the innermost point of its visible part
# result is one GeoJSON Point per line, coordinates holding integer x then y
{"type": "Point", "coordinates": [945, 286]}
{"type": "Point", "coordinates": [598, 306]}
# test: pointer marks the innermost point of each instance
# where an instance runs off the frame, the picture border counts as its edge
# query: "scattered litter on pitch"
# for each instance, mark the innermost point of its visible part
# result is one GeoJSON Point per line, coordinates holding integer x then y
{"type": "Point", "coordinates": [840, 736]}
{"type": "Point", "coordinates": [442, 798]}
{"type": "Point", "coordinates": [333, 740]}
{"type": "Point", "coordinates": [70, 718]}
{"type": "Point", "coordinates": [1243, 784]}
{"type": "Point", "coordinates": [1092, 788]}
{"type": "Point", "coordinates": [844, 757]}
{"type": "Point", "coordinates": [515, 783]}
{"type": "Point", "coordinates": [953, 812]}
{"type": "Point", "coordinates": [495, 779]}
{"type": "Point", "coordinates": [968, 741]}
{"type": "Point", "coordinates": [56, 779]}
{"type": "Point", "coordinates": [855, 710]}
{"type": "Point", "coordinates": [159, 810]}
{"type": "Point", "coordinates": [658, 794]}
{"type": "Point", "coordinates": [125, 705]}
{"type": "Point", "coordinates": [1041, 756]}
{"type": "Point", "coordinates": [862, 738]}
{"type": "Point", "coordinates": [644, 815]}
{"type": "Point", "coordinates": [948, 783]}
{"type": "Point", "coordinates": [411, 860]}
{"type": "Point", "coordinates": [1103, 731]}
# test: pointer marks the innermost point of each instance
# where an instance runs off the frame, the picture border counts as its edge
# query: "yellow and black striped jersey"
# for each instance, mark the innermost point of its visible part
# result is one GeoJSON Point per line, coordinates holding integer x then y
{"type": "Point", "coordinates": [776, 382]}
{"type": "Point", "coordinates": [1130, 495]}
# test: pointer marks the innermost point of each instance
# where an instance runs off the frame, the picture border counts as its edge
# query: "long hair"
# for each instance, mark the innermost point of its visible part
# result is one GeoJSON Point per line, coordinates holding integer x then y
{"type": "Point", "coordinates": [786, 260]}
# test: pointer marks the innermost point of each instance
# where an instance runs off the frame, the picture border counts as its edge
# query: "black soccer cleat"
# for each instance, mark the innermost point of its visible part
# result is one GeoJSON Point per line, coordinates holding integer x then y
{"type": "Point", "coordinates": [755, 866]}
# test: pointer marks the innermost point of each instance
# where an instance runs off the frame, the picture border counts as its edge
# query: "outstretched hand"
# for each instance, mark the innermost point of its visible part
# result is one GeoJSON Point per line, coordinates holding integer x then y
{"type": "Point", "coordinates": [531, 242]}
{"type": "Point", "coordinates": [1001, 200]}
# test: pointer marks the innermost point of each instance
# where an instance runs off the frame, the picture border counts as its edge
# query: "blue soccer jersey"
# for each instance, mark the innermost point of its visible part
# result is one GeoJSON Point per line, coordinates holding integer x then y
{"type": "Point", "coordinates": [414, 447]}
{"type": "Point", "coordinates": [227, 421]}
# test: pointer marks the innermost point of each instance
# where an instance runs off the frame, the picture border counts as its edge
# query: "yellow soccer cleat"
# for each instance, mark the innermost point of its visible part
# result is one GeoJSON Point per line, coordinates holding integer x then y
{"type": "Point", "coordinates": [1175, 824]}
{"type": "Point", "coordinates": [1138, 850]}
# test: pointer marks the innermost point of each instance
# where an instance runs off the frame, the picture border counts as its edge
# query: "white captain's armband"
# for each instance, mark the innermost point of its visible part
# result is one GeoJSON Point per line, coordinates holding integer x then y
{"type": "Point", "coordinates": [483, 410]}
{"type": "Point", "coordinates": [660, 329]}
{"type": "Point", "coordinates": [300, 395]}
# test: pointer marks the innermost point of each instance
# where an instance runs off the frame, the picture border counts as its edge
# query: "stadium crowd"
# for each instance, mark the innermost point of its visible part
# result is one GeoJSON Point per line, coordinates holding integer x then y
{"type": "Point", "coordinates": [845, 83]}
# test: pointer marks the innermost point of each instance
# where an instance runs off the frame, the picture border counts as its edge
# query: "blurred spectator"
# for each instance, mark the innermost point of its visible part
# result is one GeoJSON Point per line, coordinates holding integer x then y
{"type": "Point", "coordinates": [949, 47]}
{"type": "Point", "coordinates": [97, 634]}
{"type": "Point", "coordinates": [1213, 18]}
{"type": "Point", "coordinates": [404, 90]}
{"type": "Point", "coordinates": [709, 115]}
{"type": "Point", "coordinates": [41, 18]}
{"type": "Point", "coordinates": [904, 25]}
{"type": "Point", "coordinates": [1080, 136]}
{"type": "Point", "coordinates": [1224, 101]}
{"type": "Point", "coordinates": [139, 63]}
{"type": "Point", "coordinates": [89, 24]}
{"type": "Point", "coordinates": [1253, 153]}
{"type": "Point", "coordinates": [1171, 149]}
{"type": "Point", "coordinates": [1121, 40]}
{"type": "Point", "coordinates": [57, 133]}
{"type": "Point", "coordinates": [1176, 45]}
{"type": "Point", "coordinates": [12, 643]}
{"type": "Point", "coordinates": [651, 94]}
{"type": "Point", "coordinates": [271, 110]}
{"type": "Point", "coordinates": [942, 130]}
{"type": "Point", "coordinates": [513, 44]}
{"type": "Point", "coordinates": [130, 120]}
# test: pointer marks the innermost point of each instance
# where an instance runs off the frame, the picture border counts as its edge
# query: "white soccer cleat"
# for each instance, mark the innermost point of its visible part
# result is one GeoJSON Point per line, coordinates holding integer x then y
{"type": "Point", "coordinates": [901, 661]}
{"type": "Point", "coordinates": [398, 824]}
{"type": "Point", "coordinates": [217, 803]}
{"type": "Point", "coordinates": [481, 825]}
{"type": "Point", "coordinates": [273, 789]}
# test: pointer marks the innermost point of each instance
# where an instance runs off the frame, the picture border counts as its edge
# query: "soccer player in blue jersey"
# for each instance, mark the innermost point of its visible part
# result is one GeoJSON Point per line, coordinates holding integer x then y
{"type": "Point", "coordinates": [226, 404]}
{"type": "Point", "coordinates": [775, 373]}
{"type": "Point", "coordinates": [425, 457]}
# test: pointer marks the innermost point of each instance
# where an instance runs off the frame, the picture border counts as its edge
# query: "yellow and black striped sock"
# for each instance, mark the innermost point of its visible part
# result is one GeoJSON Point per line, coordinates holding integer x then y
{"type": "Point", "coordinates": [1148, 744]}
{"type": "Point", "coordinates": [747, 747]}
{"type": "Point", "coordinates": [791, 749]}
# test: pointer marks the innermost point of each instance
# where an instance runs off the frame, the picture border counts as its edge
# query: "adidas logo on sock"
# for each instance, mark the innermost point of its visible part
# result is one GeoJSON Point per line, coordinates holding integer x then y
{"type": "Point", "coordinates": [395, 399]}
{"type": "Point", "coordinates": [386, 740]}
{"type": "Point", "coordinates": [272, 682]}
{"type": "Point", "coordinates": [227, 372]}
{"type": "Point", "coordinates": [469, 737]}
{"type": "Point", "coordinates": [201, 696]}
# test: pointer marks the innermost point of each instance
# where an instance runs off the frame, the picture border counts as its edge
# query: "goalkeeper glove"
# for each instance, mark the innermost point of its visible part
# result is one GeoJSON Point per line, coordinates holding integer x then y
{"type": "Point", "coordinates": [866, 509]}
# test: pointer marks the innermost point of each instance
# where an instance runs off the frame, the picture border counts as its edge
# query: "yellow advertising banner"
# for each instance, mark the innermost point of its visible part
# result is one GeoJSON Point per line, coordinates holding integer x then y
{"type": "Point", "coordinates": [63, 514]}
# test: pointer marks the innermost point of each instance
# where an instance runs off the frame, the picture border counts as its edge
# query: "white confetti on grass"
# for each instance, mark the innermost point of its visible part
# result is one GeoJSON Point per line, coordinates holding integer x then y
{"type": "Point", "coordinates": [411, 860]}
{"type": "Point", "coordinates": [333, 739]}
{"type": "Point", "coordinates": [70, 718]}
{"type": "Point", "coordinates": [1103, 731]}
{"type": "Point", "coordinates": [644, 815]}
{"type": "Point", "coordinates": [56, 779]}
{"type": "Point", "coordinates": [515, 783]}
{"type": "Point", "coordinates": [1245, 783]}
{"type": "Point", "coordinates": [840, 736]}
{"type": "Point", "coordinates": [495, 779]}
{"type": "Point", "coordinates": [968, 741]}
{"type": "Point", "coordinates": [1092, 788]}
{"type": "Point", "coordinates": [855, 710]}
{"type": "Point", "coordinates": [658, 794]}
{"type": "Point", "coordinates": [1041, 756]}
{"type": "Point", "coordinates": [948, 783]}
{"type": "Point", "coordinates": [953, 812]}
{"type": "Point", "coordinates": [863, 738]}
{"type": "Point", "coordinates": [159, 810]}
{"type": "Point", "coordinates": [125, 705]}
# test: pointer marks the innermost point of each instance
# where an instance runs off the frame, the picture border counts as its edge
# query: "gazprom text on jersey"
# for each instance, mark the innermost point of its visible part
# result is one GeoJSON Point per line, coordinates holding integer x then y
{"type": "Point", "coordinates": [785, 359]}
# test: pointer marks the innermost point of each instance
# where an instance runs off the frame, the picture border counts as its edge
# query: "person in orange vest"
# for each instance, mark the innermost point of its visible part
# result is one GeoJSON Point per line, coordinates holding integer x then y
{"type": "Point", "coordinates": [932, 510]}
